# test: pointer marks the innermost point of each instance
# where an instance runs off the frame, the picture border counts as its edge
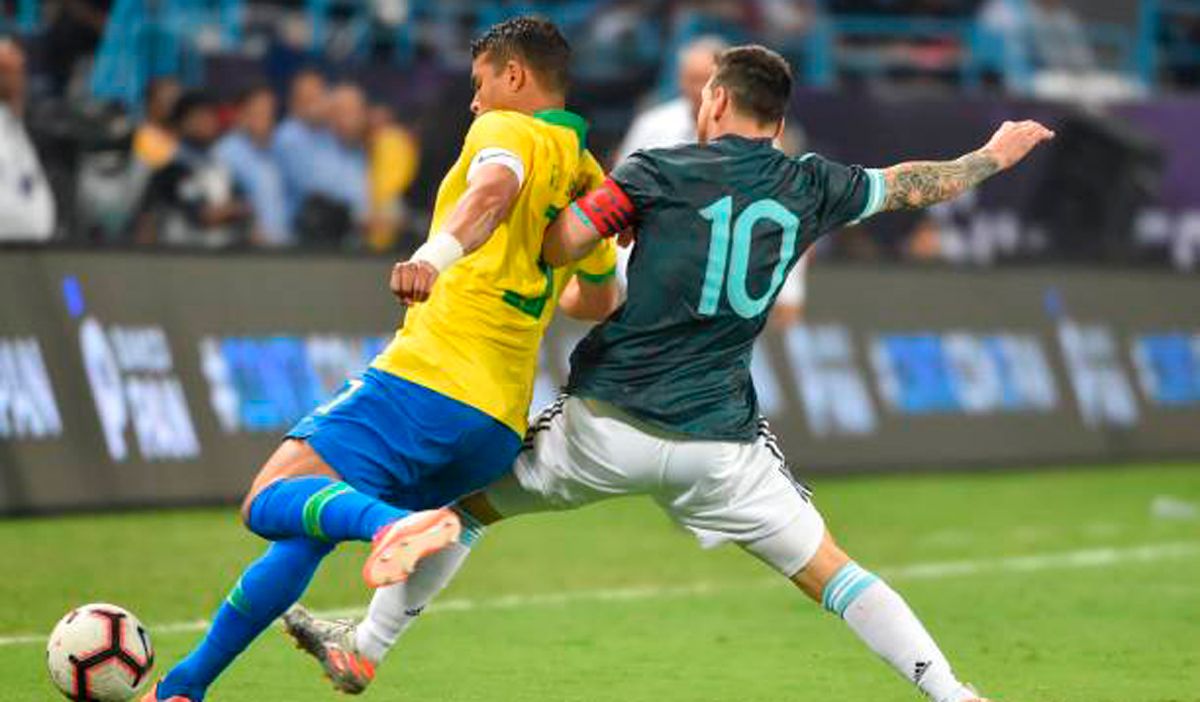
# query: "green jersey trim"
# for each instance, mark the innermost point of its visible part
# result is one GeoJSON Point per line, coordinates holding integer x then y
{"type": "Point", "coordinates": [583, 217]}
{"type": "Point", "coordinates": [568, 119]}
{"type": "Point", "coordinates": [238, 600]}
{"type": "Point", "coordinates": [532, 306]}
{"type": "Point", "coordinates": [597, 278]}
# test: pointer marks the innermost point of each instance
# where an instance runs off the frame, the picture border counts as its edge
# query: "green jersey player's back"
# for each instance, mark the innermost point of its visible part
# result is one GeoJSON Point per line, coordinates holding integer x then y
{"type": "Point", "coordinates": [719, 227]}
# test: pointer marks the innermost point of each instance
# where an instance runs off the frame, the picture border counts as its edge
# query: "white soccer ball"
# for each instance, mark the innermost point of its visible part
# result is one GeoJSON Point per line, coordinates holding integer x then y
{"type": "Point", "coordinates": [99, 653]}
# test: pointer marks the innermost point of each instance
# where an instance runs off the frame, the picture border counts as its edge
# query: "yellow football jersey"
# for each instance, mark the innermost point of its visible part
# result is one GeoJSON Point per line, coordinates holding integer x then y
{"type": "Point", "coordinates": [476, 339]}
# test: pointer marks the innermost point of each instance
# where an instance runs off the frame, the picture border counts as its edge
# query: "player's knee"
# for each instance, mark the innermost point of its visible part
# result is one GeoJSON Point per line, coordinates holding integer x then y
{"type": "Point", "coordinates": [252, 495]}
{"type": "Point", "coordinates": [294, 458]}
{"type": "Point", "coordinates": [820, 569]}
{"type": "Point", "coordinates": [247, 511]}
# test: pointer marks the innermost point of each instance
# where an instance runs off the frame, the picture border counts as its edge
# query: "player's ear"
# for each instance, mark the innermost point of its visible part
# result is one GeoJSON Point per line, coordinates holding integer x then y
{"type": "Point", "coordinates": [514, 76]}
{"type": "Point", "coordinates": [720, 102]}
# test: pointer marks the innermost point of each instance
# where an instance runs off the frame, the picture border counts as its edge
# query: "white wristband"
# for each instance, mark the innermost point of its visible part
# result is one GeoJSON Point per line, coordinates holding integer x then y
{"type": "Point", "coordinates": [441, 251]}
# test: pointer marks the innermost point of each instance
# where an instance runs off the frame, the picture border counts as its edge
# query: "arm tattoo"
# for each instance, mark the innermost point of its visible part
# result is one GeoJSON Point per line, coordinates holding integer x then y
{"type": "Point", "coordinates": [923, 183]}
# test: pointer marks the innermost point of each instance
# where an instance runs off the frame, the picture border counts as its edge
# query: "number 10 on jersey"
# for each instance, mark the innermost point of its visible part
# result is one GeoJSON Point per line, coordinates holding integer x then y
{"type": "Point", "coordinates": [722, 273]}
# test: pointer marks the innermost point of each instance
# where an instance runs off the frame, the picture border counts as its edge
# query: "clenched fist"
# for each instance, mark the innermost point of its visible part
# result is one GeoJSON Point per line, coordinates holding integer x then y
{"type": "Point", "coordinates": [412, 281]}
{"type": "Point", "coordinates": [1014, 140]}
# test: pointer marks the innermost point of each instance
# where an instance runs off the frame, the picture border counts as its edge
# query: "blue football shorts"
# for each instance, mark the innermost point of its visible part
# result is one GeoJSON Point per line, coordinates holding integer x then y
{"type": "Point", "coordinates": [406, 444]}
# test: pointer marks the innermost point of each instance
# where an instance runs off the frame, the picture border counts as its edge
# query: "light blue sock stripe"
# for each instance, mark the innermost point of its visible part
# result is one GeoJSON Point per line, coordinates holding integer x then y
{"type": "Point", "coordinates": [472, 528]}
{"type": "Point", "coordinates": [835, 583]}
{"type": "Point", "coordinates": [836, 595]}
{"type": "Point", "coordinates": [851, 594]}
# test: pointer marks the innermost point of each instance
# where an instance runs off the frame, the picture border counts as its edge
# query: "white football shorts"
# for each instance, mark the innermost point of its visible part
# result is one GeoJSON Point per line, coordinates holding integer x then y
{"type": "Point", "coordinates": [580, 451]}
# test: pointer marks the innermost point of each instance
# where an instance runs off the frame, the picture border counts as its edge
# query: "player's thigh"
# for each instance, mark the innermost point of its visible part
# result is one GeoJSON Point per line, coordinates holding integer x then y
{"type": "Point", "coordinates": [743, 493]}
{"type": "Point", "coordinates": [575, 453]}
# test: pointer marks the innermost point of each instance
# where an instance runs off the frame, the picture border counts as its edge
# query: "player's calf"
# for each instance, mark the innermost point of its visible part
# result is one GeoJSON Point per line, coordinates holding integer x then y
{"type": "Point", "coordinates": [882, 619]}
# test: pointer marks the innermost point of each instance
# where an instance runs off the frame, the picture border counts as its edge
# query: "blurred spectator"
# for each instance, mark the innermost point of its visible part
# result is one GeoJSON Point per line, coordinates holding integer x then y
{"type": "Point", "coordinates": [192, 200]}
{"type": "Point", "coordinates": [1058, 38]}
{"type": "Point", "coordinates": [333, 199]}
{"type": "Point", "coordinates": [1055, 45]}
{"type": "Point", "coordinates": [74, 33]}
{"type": "Point", "coordinates": [674, 122]}
{"type": "Point", "coordinates": [26, 203]}
{"type": "Point", "coordinates": [394, 157]}
{"type": "Point", "coordinates": [346, 179]}
{"type": "Point", "coordinates": [786, 22]}
{"type": "Point", "coordinates": [919, 8]}
{"type": "Point", "coordinates": [620, 41]}
{"type": "Point", "coordinates": [154, 142]}
{"type": "Point", "coordinates": [302, 137]}
{"type": "Point", "coordinates": [693, 18]}
{"type": "Point", "coordinates": [246, 151]}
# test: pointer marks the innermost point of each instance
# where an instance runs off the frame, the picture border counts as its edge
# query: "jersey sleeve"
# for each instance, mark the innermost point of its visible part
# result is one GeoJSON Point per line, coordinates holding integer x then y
{"type": "Point", "coordinates": [494, 138]}
{"type": "Point", "coordinates": [592, 173]}
{"type": "Point", "coordinates": [639, 178]}
{"type": "Point", "coordinates": [600, 265]}
{"type": "Point", "coordinates": [846, 194]}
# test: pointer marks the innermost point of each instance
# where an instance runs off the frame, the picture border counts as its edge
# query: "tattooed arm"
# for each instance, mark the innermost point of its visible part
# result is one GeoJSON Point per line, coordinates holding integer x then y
{"type": "Point", "coordinates": [918, 184]}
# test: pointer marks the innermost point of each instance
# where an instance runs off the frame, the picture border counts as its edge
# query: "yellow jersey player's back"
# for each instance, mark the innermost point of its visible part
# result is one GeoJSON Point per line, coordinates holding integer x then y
{"type": "Point", "coordinates": [476, 339]}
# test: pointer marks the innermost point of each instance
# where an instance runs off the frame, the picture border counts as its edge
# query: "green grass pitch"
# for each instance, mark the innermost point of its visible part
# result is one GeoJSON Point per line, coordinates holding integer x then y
{"type": "Point", "coordinates": [1048, 586]}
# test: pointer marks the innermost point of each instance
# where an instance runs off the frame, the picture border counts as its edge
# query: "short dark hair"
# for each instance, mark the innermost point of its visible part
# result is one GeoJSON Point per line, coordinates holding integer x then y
{"type": "Point", "coordinates": [535, 41]}
{"type": "Point", "coordinates": [189, 102]}
{"type": "Point", "coordinates": [159, 83]}
{"type": "Point", "coordinates": [758, 79]}
{"type": "Point", "coordinates": [253, 92]}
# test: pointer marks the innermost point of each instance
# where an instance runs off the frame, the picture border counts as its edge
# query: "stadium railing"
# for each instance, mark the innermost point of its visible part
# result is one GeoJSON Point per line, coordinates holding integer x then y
{"type": "Point", "coordinates": [25, 18]}
{"type": "Point", "coordinates": [145, 40]}
{"type": "Point", "coordinates": [1162, 40]}
{"type": "Point", "coordinates": [168, 37]}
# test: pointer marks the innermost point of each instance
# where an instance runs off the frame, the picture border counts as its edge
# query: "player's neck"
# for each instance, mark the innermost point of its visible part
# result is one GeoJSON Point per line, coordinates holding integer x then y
{"type": "Point", "coordinates": [747, 130]}
{"type": "Point", "coordinates": [542, 101]}
{"type": "Point", "coordinates": [737, 125]}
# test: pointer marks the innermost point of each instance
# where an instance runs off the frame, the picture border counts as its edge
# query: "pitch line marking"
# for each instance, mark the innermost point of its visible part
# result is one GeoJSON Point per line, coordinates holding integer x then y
{"type": "Point", "coordinates": [936, 570]}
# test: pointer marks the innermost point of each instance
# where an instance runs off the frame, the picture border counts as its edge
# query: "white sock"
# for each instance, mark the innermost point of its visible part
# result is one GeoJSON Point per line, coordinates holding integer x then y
{"type": "Point", "coordinates": [394, 608]}
{"type": "Point", "coordinates": [882, 619]}
{"type": "Point", "coordinates": [385, 621]}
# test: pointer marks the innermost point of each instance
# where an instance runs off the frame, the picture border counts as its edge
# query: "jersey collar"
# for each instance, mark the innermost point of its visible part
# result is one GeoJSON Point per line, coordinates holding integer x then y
{"type": "Point", "coordinates": [568, 119]}
{"type": "Point", "coordinates": [756, 141]}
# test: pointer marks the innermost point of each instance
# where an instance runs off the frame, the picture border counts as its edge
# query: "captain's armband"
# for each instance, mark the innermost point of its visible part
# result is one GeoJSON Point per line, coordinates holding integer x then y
{"type": "Point", "coordinates": [607, 210]}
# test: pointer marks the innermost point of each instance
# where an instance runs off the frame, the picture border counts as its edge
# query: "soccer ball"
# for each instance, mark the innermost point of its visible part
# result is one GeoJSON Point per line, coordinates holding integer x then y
{"type": "Point", "coordinates": [99, 653]}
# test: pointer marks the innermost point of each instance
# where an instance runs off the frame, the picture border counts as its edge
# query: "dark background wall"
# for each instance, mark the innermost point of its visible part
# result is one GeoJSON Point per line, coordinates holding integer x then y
{"type": "Point", "coordinates": [135, 379]}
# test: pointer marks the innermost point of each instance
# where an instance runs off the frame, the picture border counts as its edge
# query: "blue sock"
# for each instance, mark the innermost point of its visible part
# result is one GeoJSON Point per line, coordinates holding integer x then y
{"type": "Point", "coordinates": [320, 508]}
{"type": "Point", "coordinates": [266, 589]}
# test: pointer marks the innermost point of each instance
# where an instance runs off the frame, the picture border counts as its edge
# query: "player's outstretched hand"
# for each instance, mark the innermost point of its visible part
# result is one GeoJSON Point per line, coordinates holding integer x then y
{"type": "Point", "coordinates": [412, 281]}
{"type": "Point", "coordinates": [1014, 140]}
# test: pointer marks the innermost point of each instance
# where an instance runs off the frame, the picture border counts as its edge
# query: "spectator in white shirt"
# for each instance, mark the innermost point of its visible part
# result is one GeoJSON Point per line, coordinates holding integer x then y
{"type": "Point", "coordinates": [674, 122]}
{"type": "Point", "coordinates": [26, 203]}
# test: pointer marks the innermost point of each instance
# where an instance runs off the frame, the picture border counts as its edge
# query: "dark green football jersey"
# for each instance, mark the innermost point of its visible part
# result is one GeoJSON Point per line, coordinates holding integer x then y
{"type": "Point", "coordinates": [719, 226]}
